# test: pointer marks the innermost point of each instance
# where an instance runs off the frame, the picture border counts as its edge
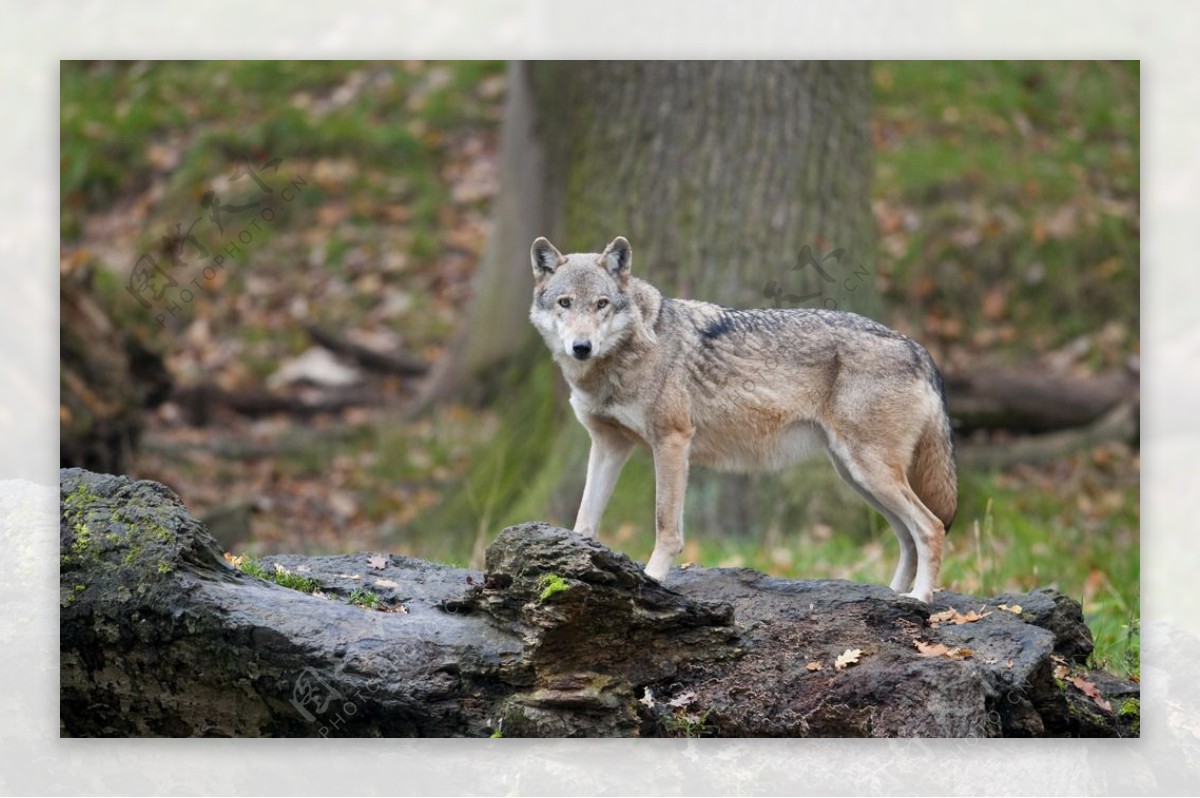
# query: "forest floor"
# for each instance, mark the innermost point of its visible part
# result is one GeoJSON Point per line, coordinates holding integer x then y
{"type": "Point", "coordinates": [1006, 204]}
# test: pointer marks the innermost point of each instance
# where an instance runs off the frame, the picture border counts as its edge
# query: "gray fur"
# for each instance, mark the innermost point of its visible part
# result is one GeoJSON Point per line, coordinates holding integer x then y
{"type": "Point", "coordinates": [745, 390]}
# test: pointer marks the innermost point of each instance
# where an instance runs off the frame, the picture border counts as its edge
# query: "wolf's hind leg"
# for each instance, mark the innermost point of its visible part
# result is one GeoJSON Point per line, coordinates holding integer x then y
{"type": "Point", "coordinates": [906, 569]}
{"type": "Point", "coordinates": [670, 483]}
{"type": "Point", "coordinates": [888, 484]}
{"type": "Point", "coordinates": [610, 451]}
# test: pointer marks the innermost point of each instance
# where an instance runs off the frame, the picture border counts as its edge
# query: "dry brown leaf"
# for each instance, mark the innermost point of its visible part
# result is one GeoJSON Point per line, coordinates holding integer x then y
{"type": "Point", "coordinates": [995, 303]}
{"type": "Point", "coordinates": [847, 658]}
{"type": "Point", "coordinates": [971, 617]}
{"type": "Point", "coordinates": [1092, 692]}
{"type": "Point", "coordinates": [1061, 671]}
{"type": "Point", "coordinates": [954, 616]}
{"type": "Point", "coordinates": [1015, 609]}
{"type": "Point", "coordinates": [941, 650]}
{"type": "Point", "coordinates": [814, 666]}
{"type": "Point", "coordinates": [931, 649]}
{"type": "Point", "coordinates": [377, 561]}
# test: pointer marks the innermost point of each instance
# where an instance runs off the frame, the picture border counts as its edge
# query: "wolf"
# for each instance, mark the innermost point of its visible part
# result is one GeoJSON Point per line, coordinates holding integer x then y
{"type": "Point", "coordinates": [745, 390]}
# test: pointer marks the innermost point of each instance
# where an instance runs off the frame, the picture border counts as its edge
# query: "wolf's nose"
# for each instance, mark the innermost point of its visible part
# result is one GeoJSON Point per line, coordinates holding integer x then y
{"type": "Point", "coordinates": [582, 349]}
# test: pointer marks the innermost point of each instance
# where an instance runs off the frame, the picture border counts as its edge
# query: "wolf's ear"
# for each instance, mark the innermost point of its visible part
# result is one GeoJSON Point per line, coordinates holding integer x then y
{"type": "Point", "coordinates": [545, 259]}
{"type": "Point", "coordinates": [616, 259]}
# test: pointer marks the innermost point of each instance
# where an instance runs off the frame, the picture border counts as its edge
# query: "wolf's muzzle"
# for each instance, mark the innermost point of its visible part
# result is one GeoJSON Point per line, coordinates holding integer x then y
{"type": "Point", "coordinates": [581, 349]}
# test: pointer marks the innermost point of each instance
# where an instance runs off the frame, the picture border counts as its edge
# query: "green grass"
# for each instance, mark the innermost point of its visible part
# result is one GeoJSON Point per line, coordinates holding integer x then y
{"type": "Point", "coordinates": [365, 599]}
{"type": "Point", "coordinates": [1001, 147]}
{"type": "Point", "coordinates": [277, 575]}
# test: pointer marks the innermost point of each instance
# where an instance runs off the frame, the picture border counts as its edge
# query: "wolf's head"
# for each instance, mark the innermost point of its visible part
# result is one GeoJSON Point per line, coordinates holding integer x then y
{"type": "Point", "coordinates": [581, 304]}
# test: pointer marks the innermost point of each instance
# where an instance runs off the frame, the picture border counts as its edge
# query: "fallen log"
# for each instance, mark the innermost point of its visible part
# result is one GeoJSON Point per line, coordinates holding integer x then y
{"type": "Point", "coordinates": [1027, 401]}
{"type": "Point", "coordinates": [161, 635]}
{"type": "Point", "coordinates": [200, 402]}
{"type": "Point", "coordinates": [370, 359]}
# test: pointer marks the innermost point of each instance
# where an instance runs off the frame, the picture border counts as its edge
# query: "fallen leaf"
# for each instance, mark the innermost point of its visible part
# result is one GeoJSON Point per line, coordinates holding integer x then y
{"type": "Point", "coordinates": [377, 561]}
{"type": "Point", "coordinates": [1061, 671]}
{"type": "Point", "coordinates": [1015, 609]}
{"type": "Point", "coordinates": [954, 616]}
{"type": "Point", "coordinates": [814, 666]}
{"type": "Point", "coordinates": [941, 650]}
{"type": "Point", "coordinates": [971, 617]}
{"type": "Point", "coordinates": [237, 561]}
{"type": "Point", "coordinates": [995, 303]}
{"type": "Point", "coordinates": [931, 649]}
{"type": "Point", "coordinates": [847, 658]}
{"type": "Point", "coordinates": [1092, 692]}
{"type": "Point", "coordinates": [386, 583]}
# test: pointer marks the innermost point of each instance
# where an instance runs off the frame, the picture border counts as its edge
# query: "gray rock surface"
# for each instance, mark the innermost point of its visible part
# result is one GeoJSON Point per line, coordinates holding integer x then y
{"type": "Point", "coordinates": [558, 636]}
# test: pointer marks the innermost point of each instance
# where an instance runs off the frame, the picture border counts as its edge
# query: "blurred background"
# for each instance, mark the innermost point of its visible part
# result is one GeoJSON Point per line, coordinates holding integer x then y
{"type": "Point", "coordinates": [297, 293]}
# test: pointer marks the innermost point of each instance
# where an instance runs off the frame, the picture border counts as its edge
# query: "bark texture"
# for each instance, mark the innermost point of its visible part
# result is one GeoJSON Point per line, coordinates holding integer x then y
{"type": "Point", "coordinates": [558, 636]}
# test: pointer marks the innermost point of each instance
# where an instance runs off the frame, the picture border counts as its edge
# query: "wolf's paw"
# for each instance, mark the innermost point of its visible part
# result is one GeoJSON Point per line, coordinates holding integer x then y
{"type": "Point", "coordinates": [924, 596]}
{"type": "Point", "coordinates": [658, 567]}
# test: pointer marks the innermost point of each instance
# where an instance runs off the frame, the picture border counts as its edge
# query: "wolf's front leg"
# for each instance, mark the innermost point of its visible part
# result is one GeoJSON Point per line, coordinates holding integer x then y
{"type": "Point", "coordinates": [609, 452]}
{"type": "Point", "coordinates": [670, 482]}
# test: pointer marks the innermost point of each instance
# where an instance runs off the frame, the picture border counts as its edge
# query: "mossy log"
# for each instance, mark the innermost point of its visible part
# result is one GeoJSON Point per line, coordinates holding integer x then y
{"type": "Point", "coordinates": [161, 635]}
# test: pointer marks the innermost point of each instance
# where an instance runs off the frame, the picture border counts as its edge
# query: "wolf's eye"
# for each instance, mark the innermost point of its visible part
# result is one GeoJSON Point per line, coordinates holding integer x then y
{"type": "Point", "coordinates": [601, 304]}
{"type": "Point", "coordinates": [563, 302]}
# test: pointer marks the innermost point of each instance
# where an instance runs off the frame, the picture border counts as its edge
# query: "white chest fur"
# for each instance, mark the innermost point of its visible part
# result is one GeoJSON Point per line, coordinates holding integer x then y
{"type": "Point", "coordinates": [632, 416]}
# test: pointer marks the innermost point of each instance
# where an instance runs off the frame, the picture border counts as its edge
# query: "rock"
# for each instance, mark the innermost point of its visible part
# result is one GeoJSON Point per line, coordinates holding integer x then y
{"type": "Point", "coordinates": [558, 636]}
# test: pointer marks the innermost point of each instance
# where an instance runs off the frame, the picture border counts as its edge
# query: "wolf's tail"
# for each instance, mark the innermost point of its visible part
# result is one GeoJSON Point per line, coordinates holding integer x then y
{"type": "Point", "coordinates": [933, 475]}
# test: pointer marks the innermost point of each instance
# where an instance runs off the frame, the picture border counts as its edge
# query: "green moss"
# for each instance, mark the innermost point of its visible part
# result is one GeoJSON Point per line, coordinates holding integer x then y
{"type": "Point", "coordinates": [278, 575]}
{"type": "Point", "coordinates": [365, 599]}
{"type": "Point", "coordinates": [83, 538]}
{"type": "Point", "coordinates": [551, 584]}
{"type": "Point", "coordinates": [1130, 712]}
{"type": "Point", "coordinates": [304, 584]}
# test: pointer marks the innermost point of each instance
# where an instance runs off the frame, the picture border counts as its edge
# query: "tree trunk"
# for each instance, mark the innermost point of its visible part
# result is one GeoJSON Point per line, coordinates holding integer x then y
{"type": "Point", "coordinates": [741, 183]}
{"type": "Point", "coordinates": [559, 636]}
{"type": "Point", "coordinates": [109, 377]}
